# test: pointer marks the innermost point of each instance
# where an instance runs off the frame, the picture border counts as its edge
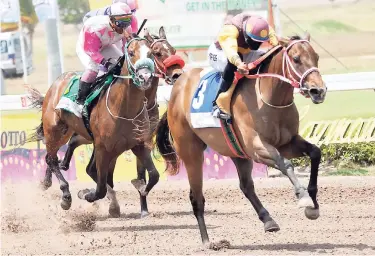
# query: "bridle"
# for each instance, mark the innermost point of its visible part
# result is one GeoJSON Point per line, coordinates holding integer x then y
{"type": "Point", "coordinates": [139, 64]}
{"type": "Point", "coordinates": [289, 73]}
{"type": "Point", "coordinates": [160, 66]}
{"type": "Point", "coordinates": [288, 67]}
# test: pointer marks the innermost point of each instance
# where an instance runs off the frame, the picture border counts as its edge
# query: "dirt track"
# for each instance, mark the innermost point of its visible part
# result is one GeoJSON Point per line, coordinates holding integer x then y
{"type": "Point", "coordinates": [34, 223]}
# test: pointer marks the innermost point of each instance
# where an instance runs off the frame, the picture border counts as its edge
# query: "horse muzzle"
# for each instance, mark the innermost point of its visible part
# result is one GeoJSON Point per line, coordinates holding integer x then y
{"type": "Point", "coordinates": [317, 94]}
{"type": "Point", "coordinates": [145, 78]}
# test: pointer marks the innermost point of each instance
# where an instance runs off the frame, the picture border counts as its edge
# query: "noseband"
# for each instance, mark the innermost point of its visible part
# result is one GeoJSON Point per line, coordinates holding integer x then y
{"type": "Point", "coordinates": [288, 66]}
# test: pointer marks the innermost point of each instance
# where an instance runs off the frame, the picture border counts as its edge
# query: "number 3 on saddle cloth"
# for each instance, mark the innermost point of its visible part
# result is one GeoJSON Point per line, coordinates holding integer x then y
{"type": "Point", "coordinates": [201, 106]}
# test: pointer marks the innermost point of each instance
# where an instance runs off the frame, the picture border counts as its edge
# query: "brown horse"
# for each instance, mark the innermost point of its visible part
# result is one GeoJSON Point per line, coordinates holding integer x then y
{"type": "Point", "coordinates": [165, 60]}
{"type": "Point", "coordinates": [119, 121]}
{"type": "Point", "coordinates": [265, 121]}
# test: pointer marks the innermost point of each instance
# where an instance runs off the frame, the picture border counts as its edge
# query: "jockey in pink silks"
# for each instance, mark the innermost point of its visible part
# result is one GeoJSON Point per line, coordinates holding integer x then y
{"type": "Point", "coordinates": [106, 11]}
{"type": "Point", "coordinates": [96, 45]}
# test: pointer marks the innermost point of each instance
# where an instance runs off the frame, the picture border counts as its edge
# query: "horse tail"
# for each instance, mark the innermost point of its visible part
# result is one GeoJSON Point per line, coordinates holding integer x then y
{"type": "Point", "coordinates": [36, 99]}
{"type": "Point", "coordinates": [164, 142]}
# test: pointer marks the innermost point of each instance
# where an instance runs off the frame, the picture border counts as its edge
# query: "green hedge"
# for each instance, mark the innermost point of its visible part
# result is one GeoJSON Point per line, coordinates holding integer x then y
{"type": "Point", "coordinates": [347, 154]}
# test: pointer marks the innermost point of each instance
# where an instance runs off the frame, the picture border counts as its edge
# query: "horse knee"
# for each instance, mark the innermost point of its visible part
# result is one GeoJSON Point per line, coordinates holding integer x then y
{"type": "Point", "coordinates": [315, 153]}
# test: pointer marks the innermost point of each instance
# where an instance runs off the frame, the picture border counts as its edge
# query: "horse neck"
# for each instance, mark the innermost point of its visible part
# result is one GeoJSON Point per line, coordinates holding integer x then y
{"type": "Point", "coordinates": [126, 100]}
{"type": "Point", "coordinates": [150, 94]}
{"type": "Point", "coordinates": [278, 92]}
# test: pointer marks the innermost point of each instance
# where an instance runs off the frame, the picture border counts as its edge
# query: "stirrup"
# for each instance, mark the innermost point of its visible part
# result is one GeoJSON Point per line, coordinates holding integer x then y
{"type": "Point", "coordinates": [217, 112]}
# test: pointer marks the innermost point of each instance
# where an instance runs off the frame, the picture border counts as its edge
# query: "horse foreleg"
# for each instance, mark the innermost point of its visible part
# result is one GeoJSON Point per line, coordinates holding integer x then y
{"type": "Point", "coordinates": [144, 161]}
{"type": "Point", "coordinates": [74, 142]}
{"type": "Point", "coordinates": [244, 169]}
{"type": "Point", "coordinates": [269, 155]}
{"type": "Point", "coordinates": [300, 147]}
{"type": "Point", "coordinates": [91, 170]}
{"type": "Point", "coordinates": [103, 160]}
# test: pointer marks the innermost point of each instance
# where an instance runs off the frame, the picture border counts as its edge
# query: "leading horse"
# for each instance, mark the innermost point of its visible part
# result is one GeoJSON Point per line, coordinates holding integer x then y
{"type": "Point", "coordinates": [118, 121]}
{"type": "Point", "coordinates": [265, 121]}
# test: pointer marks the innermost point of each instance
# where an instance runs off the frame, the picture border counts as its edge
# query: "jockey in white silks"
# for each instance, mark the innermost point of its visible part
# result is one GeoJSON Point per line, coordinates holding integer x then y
{"type": "Point", "coordinates": [96, 45]}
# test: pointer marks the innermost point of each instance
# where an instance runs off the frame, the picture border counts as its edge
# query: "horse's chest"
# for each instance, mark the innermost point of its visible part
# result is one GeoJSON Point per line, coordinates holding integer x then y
{"type": "Point", "coordinates": [276, 134]}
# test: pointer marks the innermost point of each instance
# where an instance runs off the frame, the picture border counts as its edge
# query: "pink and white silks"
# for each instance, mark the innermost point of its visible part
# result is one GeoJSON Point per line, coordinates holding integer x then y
{"type": "Point", "coordinates": [97, 40]}
{"type": "Point", "coordinates": [106, 11]}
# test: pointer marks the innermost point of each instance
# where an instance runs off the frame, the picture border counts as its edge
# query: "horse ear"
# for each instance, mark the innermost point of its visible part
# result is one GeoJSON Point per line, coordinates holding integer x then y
{"type": "Point", "coordinates": [283, 42]}
{"type": "Point", "coordinates": [147, 35]}
{"type": "Point", "coordinates": [162, 33]}
{"type": "Point", "coordinates": [307, 36]}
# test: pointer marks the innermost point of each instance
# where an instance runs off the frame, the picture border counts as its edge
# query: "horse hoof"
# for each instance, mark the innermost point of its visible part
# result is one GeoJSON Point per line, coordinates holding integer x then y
{"type": "Point", "coordinates": [312, 213]}
{"type": "Point", "coordinates": [63, 167]}
{"type": "Point", "coordinates": [305, 201]}
{"type": "Point", "coordinates": [81, 194]}
{"type": "Point", "coordinates": [114, 211]}
{"type": "Point", "coordinates": [144, 214]}
{"type": "Point", "coordinates": [65, 205]}
{"type": "Point", "coordinates": [91, 197]}
{"type": "Point", "coordinates": [45, 185]}
{"type": "Point", "coordinates": [271, 226]}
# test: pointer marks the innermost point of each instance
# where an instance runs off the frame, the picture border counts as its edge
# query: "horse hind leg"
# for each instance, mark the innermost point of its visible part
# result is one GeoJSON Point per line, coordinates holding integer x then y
{"type": "Point", "coordinates": [51, 132]}
{"type": "Point", "coordinates": [74, 142]}
{"type": "Point", "coordinates": [244, 168]}
{"type": "Point", "coordinates": [190, 149]}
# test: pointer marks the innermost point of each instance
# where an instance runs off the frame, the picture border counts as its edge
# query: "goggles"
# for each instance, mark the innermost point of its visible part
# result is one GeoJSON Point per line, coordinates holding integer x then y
{"type": "Point", "coordinates": [122, 21]}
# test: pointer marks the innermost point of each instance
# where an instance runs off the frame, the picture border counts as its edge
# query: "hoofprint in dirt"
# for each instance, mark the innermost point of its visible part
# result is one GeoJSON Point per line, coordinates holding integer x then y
{"type": "Point", "coordinates": [32, 222]}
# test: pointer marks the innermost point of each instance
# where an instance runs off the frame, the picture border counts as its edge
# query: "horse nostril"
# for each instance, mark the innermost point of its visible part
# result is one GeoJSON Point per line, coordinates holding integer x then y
{"type": "Point", "coordinates": [314, 91]}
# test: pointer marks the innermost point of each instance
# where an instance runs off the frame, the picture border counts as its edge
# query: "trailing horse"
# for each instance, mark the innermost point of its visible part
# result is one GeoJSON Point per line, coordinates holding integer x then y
{"type": "Point", "coordinates": [168, 66]}
{"type": "Point", "coordinates": [118, 120]}
{"type": "Point", "coordinates": [264, 125]}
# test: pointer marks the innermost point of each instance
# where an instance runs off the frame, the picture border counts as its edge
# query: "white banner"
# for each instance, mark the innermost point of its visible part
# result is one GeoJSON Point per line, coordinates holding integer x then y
{"type": "Point", "coordinates": [193, 23]}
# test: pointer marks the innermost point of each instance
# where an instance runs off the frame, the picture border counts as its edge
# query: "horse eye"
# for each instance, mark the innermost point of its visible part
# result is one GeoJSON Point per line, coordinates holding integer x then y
{"type": "Point", "coordinates": [158, 54]}
{"type": "Point", "coordinates": [296, 59]}
{"type": "Point", "coordinates": [131, 53]}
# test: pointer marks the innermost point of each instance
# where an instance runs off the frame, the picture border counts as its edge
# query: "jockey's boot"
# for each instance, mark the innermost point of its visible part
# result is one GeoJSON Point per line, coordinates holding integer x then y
{"type": "Point", "coordinates": [221, 104]}
{"type": "Point", "coordinates": [83, 91]}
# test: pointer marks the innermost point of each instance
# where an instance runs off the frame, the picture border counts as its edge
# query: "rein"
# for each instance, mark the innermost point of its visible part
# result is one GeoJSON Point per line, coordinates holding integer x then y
{"type": "Point", "coordinates": [288, 76]}
{"type": "Point", "coordinates": [132, 75]}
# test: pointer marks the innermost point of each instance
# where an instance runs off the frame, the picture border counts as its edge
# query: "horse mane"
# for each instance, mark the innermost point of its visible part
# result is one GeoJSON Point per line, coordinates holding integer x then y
{"type": "Point", "coordinates": [295, 37]}
{"type": "Point", "coordinates": [267, 61]}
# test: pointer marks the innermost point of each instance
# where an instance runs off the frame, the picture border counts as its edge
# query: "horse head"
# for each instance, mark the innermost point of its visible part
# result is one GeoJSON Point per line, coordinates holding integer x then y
{"type": "Point", "coordinates": [168, 64]}
{"type": "Point", "coordinates": [138, 56]}
{"type": "Point", "coordinates": [300, 65]}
